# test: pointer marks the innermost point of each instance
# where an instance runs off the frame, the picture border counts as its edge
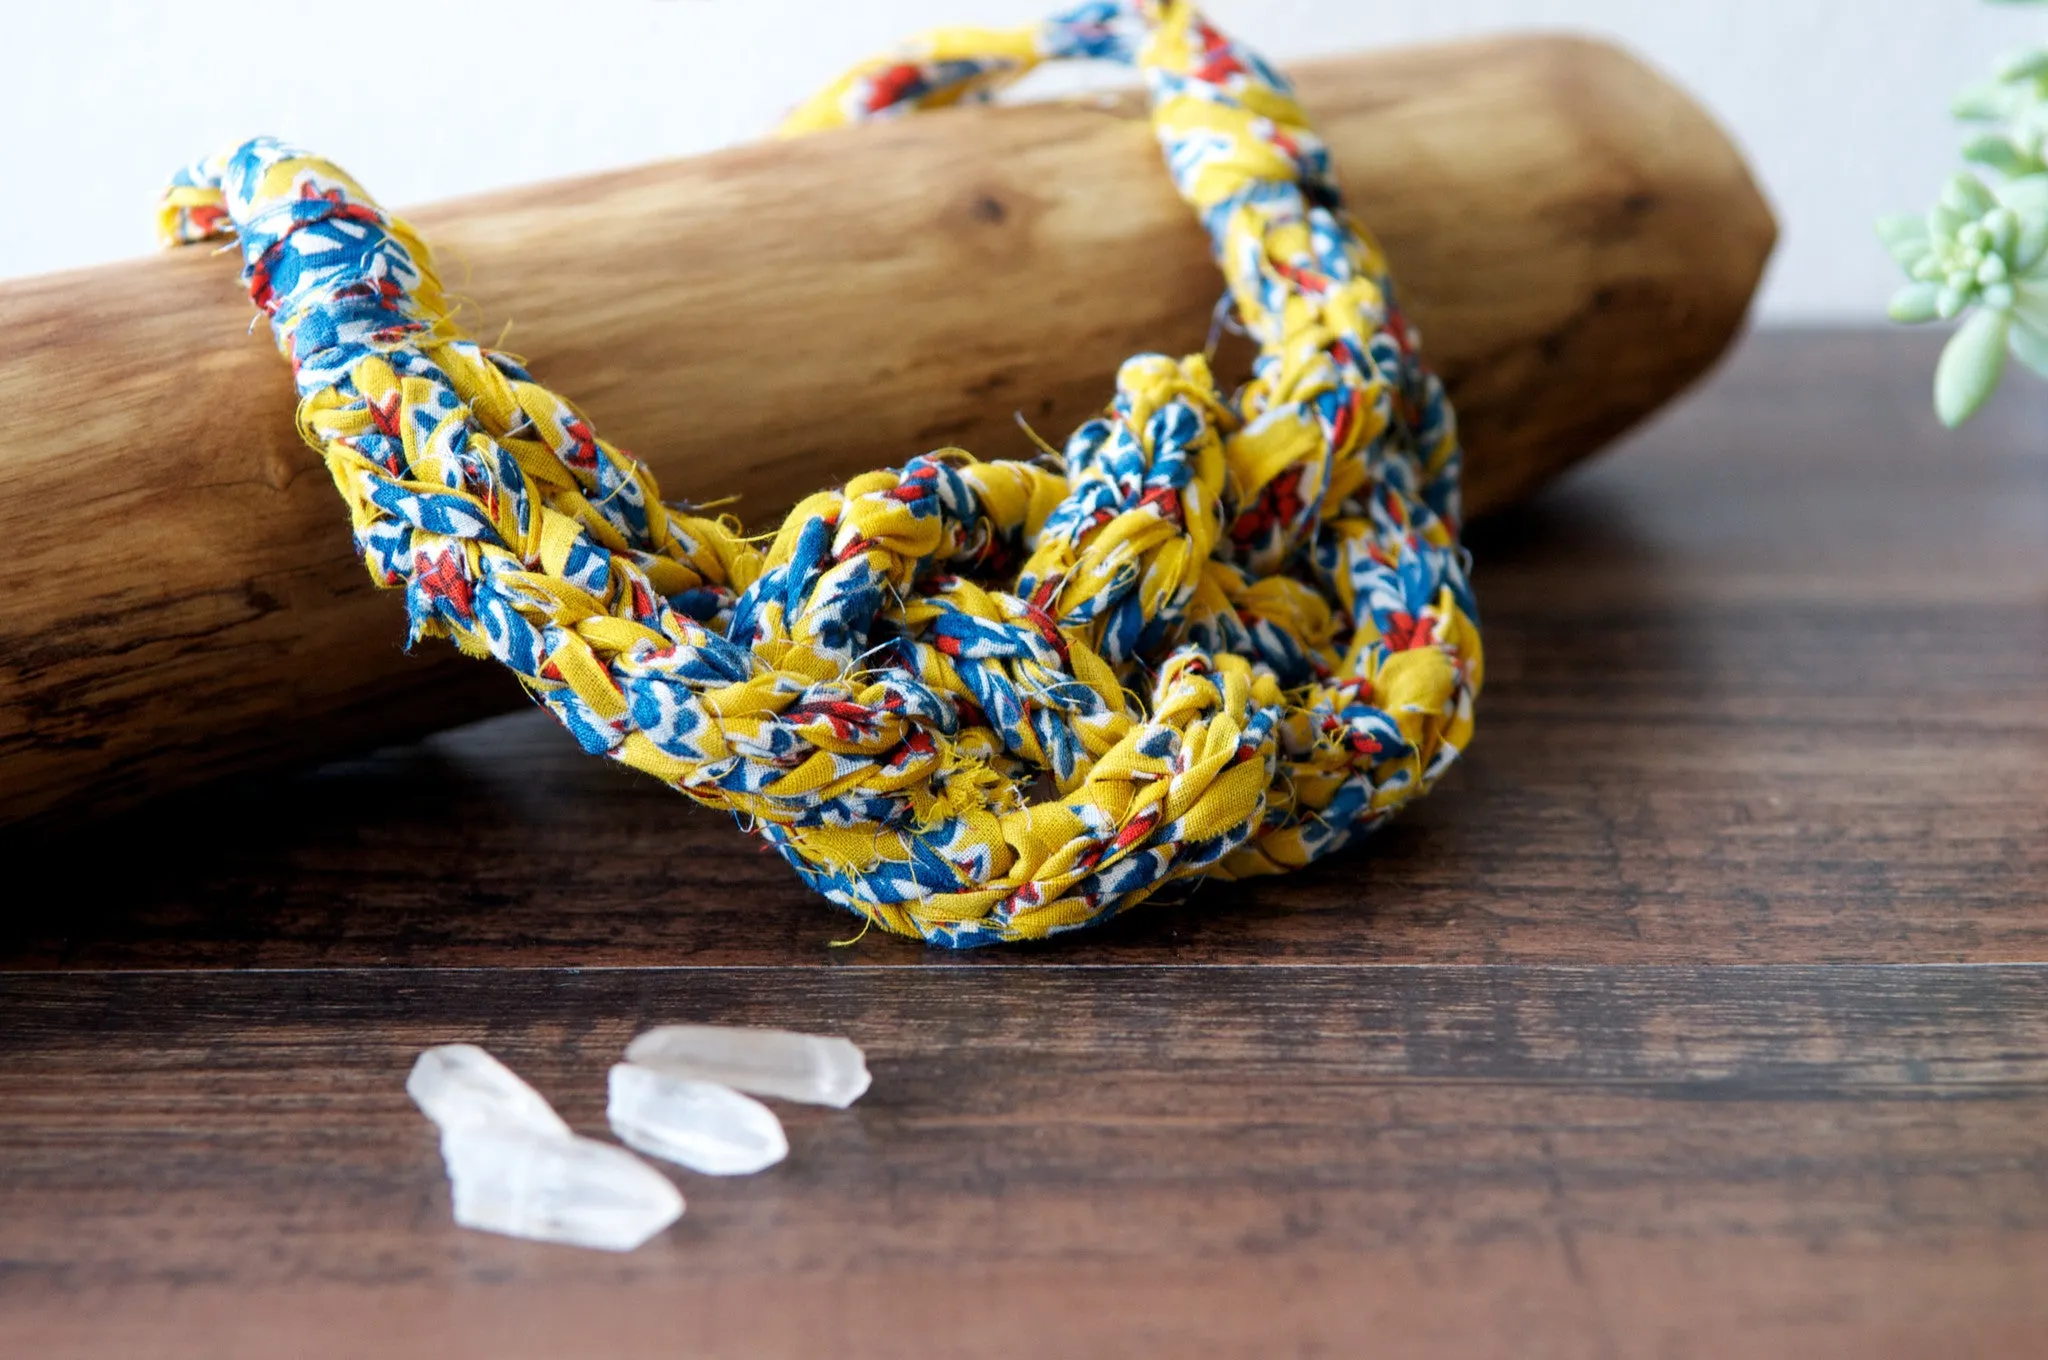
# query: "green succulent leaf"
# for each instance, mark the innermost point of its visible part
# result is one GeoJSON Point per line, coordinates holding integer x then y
{"type": "Point", "coordinates": [2030, 303]}
{"type": "Point", "coordinates": [2030, 347]}
{"type": "Point", "coordinates": [1997, 151]}
{"type": "Point", "coordinates": [2019, 66]}
{"type": "Point", "coordinates": [1905, 236]}
{"type": "Point", "coordinates": [1916, 302]}
{"type": "Point", "coordinates": [1966, 198]}
{"type": "Point", "coordinates": [2025, 197]}
{"type": "Point", "coordinates": [1985, 103]}
{"type": "Point", "coordinates": [2030, 243]}
{"type": "Point", "coordinates": [1971, 364]}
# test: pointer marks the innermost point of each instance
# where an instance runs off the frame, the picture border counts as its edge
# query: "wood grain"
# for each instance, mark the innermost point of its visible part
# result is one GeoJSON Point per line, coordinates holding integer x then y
{"type": "Point", "coordinates": [1577, 240]}
{"type": "Point", "coordinates": [1248, 1160]}
{"type": "Point", "coordinates": [1704, 1013]}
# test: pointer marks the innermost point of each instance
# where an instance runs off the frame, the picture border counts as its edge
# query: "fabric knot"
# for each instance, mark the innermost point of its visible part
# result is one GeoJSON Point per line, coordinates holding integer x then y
{"type": "Point", "coordinates": [971, 701]}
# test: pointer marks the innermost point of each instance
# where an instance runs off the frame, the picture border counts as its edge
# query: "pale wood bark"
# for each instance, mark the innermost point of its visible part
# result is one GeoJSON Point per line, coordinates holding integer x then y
{"type": "Point", "coordinates": [178, 595]}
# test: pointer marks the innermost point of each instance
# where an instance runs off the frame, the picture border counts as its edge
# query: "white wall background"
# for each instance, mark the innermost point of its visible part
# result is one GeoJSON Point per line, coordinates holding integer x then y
{"type": "Point", "coordinates": [1840, 103]}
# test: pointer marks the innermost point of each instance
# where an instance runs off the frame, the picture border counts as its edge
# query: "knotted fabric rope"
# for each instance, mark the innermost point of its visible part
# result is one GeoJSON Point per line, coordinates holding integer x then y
{"type": "Point", "coordinates": [971, 701]}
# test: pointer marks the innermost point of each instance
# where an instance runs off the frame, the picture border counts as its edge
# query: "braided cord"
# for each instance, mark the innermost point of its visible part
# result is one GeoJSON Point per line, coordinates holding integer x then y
{"type": "Point", "coordinates": [1234, 635]}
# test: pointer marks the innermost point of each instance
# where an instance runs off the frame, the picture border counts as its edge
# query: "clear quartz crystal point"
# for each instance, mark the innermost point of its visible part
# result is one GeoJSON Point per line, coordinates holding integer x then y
{"type": "Point", "coordinates": [816, 1069]}
{"type": "Point", "coordinates": [516, 1168]}
{"type": "Point", "coordinates": [700, 1124]}
{"type": "Point", "coordinates": [460, 1086]}
{"type": "Point", "coordinates": [571, 1190]}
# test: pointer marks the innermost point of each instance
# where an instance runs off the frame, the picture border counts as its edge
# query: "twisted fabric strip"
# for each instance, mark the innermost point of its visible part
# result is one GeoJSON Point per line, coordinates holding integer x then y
{"type": "Point", "coordinates": [971, 701]}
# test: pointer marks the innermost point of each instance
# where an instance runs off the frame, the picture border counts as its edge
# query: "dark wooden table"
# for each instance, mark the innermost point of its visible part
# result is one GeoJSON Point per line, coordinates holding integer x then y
{"type": "Point", "coordinates": [1701, 1012]}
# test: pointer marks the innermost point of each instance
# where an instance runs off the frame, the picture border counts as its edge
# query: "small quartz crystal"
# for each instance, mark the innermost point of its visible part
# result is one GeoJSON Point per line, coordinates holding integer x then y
{"type": "Point", "coordinates": [553, 1188]}
{"type": "Point", "coordinates": [700, 1124]}
{"type": "Point", "coordinates": [516, 1168]}
{"type": "Point", "coordinates": [460, 1086]}
{"type": "Point", "coordinates": [816, 1069]}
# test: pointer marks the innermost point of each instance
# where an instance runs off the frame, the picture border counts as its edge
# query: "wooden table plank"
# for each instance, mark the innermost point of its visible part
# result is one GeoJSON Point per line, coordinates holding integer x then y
{"type": "Point", "coordinates": [1279, 1160]}
{"type": "Point", "coordinates": [1703, 1011]}
{"type": "Point", "coordinates": [1769, 683]}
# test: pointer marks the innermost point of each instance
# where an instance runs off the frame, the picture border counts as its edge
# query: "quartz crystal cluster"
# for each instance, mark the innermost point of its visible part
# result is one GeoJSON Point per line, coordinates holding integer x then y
{"type": "Point", "coordinates": [515, 1168]}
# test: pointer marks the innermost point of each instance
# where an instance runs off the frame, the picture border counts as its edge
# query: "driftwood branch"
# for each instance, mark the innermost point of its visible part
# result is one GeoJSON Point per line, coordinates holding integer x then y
{"type": "Point", "coordinates": [178, 595]}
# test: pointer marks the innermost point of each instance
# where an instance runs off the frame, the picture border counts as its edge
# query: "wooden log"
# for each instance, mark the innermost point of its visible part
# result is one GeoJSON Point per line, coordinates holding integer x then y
{"type": "Point", "coordinates": [179, 599]}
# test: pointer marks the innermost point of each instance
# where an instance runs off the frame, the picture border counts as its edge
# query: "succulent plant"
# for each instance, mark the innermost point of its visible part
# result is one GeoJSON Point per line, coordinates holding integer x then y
{"type": "Point", "coordinates": [1982, 249]}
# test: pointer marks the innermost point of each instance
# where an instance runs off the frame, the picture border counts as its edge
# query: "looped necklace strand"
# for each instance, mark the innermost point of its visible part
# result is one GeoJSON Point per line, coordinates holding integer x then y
{"type": "Point", "coordinates": [1234, 634]}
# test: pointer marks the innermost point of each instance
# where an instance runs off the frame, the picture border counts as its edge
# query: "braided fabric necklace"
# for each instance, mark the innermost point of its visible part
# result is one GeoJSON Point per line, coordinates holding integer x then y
{"type": "Point", "coordinates": [970, 701]}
